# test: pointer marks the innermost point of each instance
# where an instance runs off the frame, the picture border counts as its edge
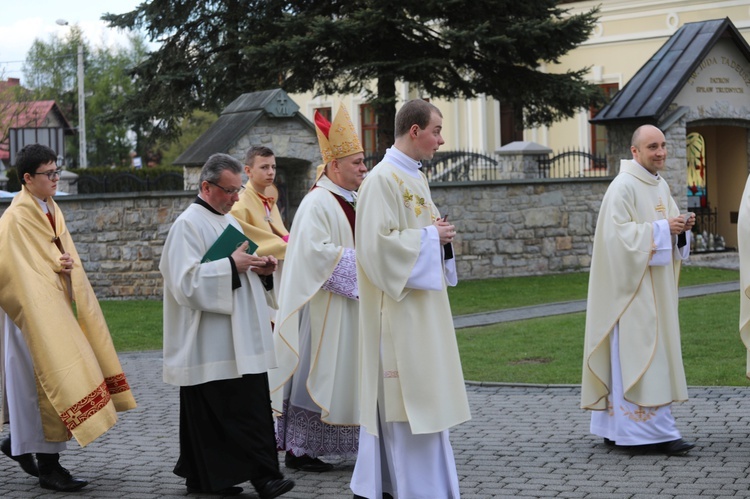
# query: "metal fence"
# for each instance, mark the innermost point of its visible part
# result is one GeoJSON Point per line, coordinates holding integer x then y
{"type": "Point", "coordinates": [454, 166]}
{"type": "Point", "coordinates": [571, 163]}
{"type": "Point", "coordinates": [127, 182]}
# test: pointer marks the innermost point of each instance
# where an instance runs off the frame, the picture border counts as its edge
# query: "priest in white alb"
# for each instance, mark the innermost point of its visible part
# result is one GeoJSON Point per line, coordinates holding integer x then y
{"type": "Point", "coordinates": [743, 249]}
{"type": "Point", "coordinates": [218, 344]}
{"type": "Point", "coordinates": [412, 386]}
{"type": "Point", "coordinates": [632, 364]}
{"type": "Point", "coordinates": [316, 338]}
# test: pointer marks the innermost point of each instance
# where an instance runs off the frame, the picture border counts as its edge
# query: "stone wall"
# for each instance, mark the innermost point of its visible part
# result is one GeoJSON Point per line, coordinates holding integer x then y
{"type": "Point", "coordinates": [522, 228]}
{"type": "Point", "coordinates": [508, 228]}
{"type": "Point", "coordinates": [120, 237]}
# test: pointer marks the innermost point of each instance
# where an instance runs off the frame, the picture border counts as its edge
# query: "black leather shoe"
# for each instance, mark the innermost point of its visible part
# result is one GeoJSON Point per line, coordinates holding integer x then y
{"type": "Point", "coordinates": [275, 488]}
{"type": "Point", "coordinates": [609, 442]}
{"type": "Point", "coordinates": [229, 491]}
{"type": "Point", "coordinates": [61, 480]}
{"type": "Point", "coordinates": [677, 447]}
{"type": "Point", "coordinates": [306, 463]}
{"type": "Point", "coordinates": [27, 461]}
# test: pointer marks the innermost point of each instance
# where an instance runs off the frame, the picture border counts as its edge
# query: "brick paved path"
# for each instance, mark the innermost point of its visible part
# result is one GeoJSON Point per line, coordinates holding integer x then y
{"type": "Point", "coordinates": [523, 441]}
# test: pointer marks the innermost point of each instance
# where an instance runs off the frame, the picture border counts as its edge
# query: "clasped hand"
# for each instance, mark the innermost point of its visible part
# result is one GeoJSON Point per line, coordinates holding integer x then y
{"type": "Point", "coordinates": [261, 265]}
{"type": "Point", "coordinates": [66, 261]}
{"type": "Point", "coordinates": [681, 223]}
{"type": "Point", "coordinates": [446, 230]}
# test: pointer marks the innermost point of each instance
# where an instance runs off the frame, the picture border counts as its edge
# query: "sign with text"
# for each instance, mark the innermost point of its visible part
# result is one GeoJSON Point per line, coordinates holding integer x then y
{"type": "Point", "coordinates": [722, 76]}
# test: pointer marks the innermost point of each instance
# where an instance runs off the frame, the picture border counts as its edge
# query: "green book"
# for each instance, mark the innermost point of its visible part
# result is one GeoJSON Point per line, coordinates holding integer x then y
{"type": "Point", "coordinates": [228, 241]}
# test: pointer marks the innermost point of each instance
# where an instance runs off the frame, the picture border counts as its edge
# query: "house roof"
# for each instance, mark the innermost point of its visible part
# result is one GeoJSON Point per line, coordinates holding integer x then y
{"type": "Point", "coordinates": [32, 114]}
{"type": "Point", "coordinates": [649, 93]}
{"type": "Point", "coordinates": [236, 119]}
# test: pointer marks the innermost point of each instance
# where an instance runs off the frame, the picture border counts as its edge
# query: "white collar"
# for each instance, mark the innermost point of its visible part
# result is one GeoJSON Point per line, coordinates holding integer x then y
{"type": "Point", "coordinates": [646, 169]}
{"type": "Point", "coordinates": [406, 163]}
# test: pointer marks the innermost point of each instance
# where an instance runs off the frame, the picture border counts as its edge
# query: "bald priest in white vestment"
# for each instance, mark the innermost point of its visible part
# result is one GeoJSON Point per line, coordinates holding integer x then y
{"type": "Point", "coordinates": [743, 247]}
{"type": "Point", "coordinates": [632, 364]}
{"type": "Point", "coordinates": [412, 388]}
{"type": "Point", "coordinates": [316, 337]}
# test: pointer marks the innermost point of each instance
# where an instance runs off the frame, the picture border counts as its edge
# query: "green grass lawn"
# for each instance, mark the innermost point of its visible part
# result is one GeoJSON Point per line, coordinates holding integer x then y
{"type": "Point", "coordinates": [547, 350]}
{"type": "Point", "coordinates": [470, 297]}
{"type": "Point", "coordinates": [134, 324]}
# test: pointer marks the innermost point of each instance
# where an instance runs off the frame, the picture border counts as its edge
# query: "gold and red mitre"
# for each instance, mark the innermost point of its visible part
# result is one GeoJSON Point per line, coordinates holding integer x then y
{"type": "Point", "coordinates": [338, 139]}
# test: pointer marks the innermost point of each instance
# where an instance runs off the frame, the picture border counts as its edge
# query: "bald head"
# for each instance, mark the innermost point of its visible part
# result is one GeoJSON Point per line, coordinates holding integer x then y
{"type": "Point", "coordinates": [649, 148]}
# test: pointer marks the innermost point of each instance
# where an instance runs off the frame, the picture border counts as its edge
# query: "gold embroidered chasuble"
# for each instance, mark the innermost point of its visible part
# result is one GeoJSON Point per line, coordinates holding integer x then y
{"type": "Point", "coordinates": [251, 213]}
{"type": "Point", "coordinates": [743, 243]}
{"type": "Point", "coordinates": [421, 370]}
{"type": "Point", "coordinates": [643, 299]}
{"type": "Point", "coordinates": [319, 235]}
{"type": "Point", "coordinates": [80, 381]}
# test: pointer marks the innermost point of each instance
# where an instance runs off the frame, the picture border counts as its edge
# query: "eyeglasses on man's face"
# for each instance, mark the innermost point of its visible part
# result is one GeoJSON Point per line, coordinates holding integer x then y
{"type": "Point", "coordinates": [51, 174]}
{"type": "Point", "coordinates": [231, 192]}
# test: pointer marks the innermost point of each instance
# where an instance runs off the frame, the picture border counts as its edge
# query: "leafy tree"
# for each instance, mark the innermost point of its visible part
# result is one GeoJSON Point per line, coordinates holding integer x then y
{"type": "Point", "coordinates": [191, 128]}
{"type": "Point", "coordinates": [108, 86]}
{"type": "Point", "coordinates": [50, 72]}
{"type": "Point", "coordinates": [213, 51]}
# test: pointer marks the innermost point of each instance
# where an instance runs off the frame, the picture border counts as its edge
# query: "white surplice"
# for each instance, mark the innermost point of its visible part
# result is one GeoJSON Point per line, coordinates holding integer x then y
{"type": "Point", "coordinates": [211, 332]}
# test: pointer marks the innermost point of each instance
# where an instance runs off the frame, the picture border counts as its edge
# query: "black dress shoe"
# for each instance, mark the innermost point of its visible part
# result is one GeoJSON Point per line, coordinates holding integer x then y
{"type": "Point", "coordinates": [274, 488]}
{"type": "Point", "coordinates": [306, 463]}
{"type": "Point", "coordinates": [229, 491]}
{"type": "Point", "coordinates": [27, 462]}
{"type": "Point", "coordinates": [677, 447]}
{"type": "Point", "coordinates": [61, 480]}
{"type": "Point", "coordinates": [609, 442]}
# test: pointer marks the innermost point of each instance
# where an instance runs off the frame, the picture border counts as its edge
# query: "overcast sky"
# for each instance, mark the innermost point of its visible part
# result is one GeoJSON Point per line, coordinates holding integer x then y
{"type": "Point", "coordinates": [23, 21]}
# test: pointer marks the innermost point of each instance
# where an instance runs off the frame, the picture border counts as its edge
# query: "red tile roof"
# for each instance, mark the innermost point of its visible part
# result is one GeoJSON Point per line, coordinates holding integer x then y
{"type": "Point", "coordinates": [27, 115]}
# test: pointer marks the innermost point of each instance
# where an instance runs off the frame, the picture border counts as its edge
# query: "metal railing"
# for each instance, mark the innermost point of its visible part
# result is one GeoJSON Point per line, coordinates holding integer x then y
{"type": "Point", "coordinates": [571, 163]}
{"type": "Point", "coordinates": [454, 166]}
{"type": "Point", "coordinates": [707, 226]}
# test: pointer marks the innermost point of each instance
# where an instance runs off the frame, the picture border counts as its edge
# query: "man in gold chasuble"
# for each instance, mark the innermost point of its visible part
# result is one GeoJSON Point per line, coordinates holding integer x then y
{"type": "Point", "coordinates": [60, 372]}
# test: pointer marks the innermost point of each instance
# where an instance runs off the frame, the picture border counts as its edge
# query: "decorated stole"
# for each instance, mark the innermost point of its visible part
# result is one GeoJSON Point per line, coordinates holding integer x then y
{"type": "Point", "coordinates": [351, 214]}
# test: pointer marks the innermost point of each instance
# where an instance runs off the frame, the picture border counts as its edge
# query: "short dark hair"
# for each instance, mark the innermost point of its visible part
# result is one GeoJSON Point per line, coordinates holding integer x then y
{"type": "Point", "coordinates": [31, 157]}
{"type": "Point", "coordinates": [217, 163]}
{"type": "Point", "coordinates": [261, 151]}
{"type": "Point", "coordinates": [414, 112]}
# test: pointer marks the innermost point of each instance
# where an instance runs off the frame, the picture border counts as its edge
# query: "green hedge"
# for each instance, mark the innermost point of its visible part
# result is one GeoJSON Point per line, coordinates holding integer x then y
{"type": "Point", "coordinates": [103, 179]}
{"type": "Point", "coordinates": [97, 180]}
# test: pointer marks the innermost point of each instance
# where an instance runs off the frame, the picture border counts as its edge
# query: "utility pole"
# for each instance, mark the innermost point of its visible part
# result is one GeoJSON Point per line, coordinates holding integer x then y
{"type": "Point", "coordinates": [81, 111]}
{"type": "Point", "coordinates": [83, 163]}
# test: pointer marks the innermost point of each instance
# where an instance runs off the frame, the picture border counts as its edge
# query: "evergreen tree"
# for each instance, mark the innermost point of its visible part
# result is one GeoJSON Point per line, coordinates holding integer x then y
{"type": "Point", "coordinates": [211, 52]}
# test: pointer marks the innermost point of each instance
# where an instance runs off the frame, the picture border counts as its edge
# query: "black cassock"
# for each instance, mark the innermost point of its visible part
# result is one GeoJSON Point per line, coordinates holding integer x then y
{"type": "Point", "coordinates": [227, 434]}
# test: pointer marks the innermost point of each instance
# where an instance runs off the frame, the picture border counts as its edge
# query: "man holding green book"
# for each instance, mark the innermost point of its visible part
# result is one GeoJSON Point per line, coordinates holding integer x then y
{"type": "Point", "coordinates": [218, 345]}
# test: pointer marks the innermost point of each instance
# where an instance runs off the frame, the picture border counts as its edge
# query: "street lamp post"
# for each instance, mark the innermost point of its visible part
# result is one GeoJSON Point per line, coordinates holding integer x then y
{"type": "Point", "coordinates": [81, 105]}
